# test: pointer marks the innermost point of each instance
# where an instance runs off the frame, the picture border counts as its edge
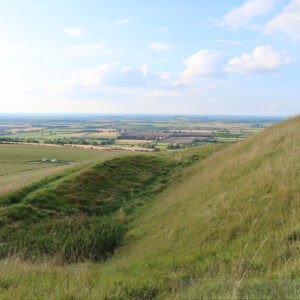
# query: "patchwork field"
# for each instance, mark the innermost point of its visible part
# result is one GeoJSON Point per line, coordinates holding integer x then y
{"type": "Point", "coordinates": [131, 132]}
{"type": "Point", "coordinates": [25, 140]}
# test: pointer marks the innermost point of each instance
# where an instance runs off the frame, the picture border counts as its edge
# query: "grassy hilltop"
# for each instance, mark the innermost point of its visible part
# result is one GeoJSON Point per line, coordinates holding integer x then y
{"type": "Point", "coordinates": [226, 226]}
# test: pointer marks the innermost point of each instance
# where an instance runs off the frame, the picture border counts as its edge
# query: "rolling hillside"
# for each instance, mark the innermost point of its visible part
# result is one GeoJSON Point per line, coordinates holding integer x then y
{"type": "Point", "coordinates": [226, 227]}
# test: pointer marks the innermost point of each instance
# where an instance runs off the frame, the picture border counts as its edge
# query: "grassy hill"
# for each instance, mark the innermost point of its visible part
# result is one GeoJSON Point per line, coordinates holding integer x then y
{"type": "Point", "coordinates": [227, 227]}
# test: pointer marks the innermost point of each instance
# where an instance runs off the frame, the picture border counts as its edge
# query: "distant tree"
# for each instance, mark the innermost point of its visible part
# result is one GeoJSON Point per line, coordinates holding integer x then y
{"type": "Point", "coordinates": [93, 143]}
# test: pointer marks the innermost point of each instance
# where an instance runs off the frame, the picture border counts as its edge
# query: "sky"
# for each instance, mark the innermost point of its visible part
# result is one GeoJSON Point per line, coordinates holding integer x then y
{"type": "Point", "coordinates": [233, 57]}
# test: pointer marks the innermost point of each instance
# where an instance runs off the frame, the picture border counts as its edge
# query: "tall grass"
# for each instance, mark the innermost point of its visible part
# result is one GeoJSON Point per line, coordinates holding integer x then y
{"type": "Point", "coordinates": [66, 240]}
{"type": "Point", "coordinates": [229, 217]}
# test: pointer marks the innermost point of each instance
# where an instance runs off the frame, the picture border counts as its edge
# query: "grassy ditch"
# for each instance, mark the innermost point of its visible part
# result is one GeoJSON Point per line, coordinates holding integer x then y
{"type": "Point", "coordinates": [75, 216]}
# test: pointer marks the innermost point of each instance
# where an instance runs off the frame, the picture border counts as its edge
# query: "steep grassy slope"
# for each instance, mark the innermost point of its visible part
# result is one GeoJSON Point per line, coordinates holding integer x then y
{"type": "Point", "coordinates": [233, 217]}
{"type": "Point", "coordinates": [228, 227]}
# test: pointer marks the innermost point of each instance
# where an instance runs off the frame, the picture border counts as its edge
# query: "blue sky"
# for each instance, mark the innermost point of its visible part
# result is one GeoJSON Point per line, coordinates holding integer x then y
{"type": "Point", "coordinates": [236, 57]}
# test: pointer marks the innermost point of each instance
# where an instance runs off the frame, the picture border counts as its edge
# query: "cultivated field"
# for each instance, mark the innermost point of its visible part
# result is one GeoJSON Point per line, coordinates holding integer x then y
{"type": "Point", "coordinates": [131, 132]}
{"type": "Point", "coordinates": [21, 164]}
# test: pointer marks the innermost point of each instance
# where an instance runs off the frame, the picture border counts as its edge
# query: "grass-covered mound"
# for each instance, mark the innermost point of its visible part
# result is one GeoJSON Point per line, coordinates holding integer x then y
{"type": "Point", "coordinates": [99, 190]}
{"type": "Point", "coordinates": [80, 216]}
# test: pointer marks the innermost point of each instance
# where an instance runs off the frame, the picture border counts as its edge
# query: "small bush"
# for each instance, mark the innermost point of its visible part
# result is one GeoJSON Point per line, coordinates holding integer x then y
{"type": "Point", "coordinates": [70, 239]}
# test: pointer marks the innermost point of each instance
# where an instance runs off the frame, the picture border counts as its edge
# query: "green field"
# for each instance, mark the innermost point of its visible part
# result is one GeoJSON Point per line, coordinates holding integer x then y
{"type": "Point", "coordinates": [211, 222]}
{"type": "Point", "coordinates": [21, 164]}
{"type": "Point", "coordinates": [131, 132]}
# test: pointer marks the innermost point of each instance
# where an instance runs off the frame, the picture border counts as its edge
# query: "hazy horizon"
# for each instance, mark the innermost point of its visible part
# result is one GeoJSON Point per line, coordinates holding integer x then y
{"type": "Point", "coordinates": [29, 114]}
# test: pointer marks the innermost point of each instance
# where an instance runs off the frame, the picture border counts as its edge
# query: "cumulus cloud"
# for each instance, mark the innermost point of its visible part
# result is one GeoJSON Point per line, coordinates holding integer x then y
{"type": "Point", "coordinates": [262, 59]}
{"type": "Point", "coordinates": [210, 63]}
{"type": "Point", "coordinates": [203, 64]}
{"type": "Point", "coordinates": [160, 46]}
{"type": "Point", "coordinates": [122, 21]}
{"type": "Point", "coordinates": [288, 21]}
{"type": "Point", "coordinates": [111, 74]}
{"type": "Point", "coordinates": [244, 14]}
{"type": "Point", "coordinates": [84, 50]}
{"type": "Point", "coordinates": [73, 32]}
{"type": "Point", "coordinates": [114, 80]}
{"type": "Point", "coordinates": [114, 74]}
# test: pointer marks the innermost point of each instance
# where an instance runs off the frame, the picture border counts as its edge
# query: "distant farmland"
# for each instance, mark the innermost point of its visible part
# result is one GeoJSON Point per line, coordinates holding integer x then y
{"type": "Point", "coordinates": [21, 164]}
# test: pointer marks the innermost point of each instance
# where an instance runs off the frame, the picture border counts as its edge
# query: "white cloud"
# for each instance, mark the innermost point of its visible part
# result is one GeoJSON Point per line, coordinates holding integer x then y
{"type": "Point", "coordinates": [288, 21]}
{"type": "Point", "coordinates": [84, 50]}
{"type": "Point", "coordinates": [244, 14]}
{"type": "Point", "coordinates": [203, 64]}
{"type": "Point", "coordinates": [263, 59]}
{"type": "Point", "coordinates": [122, 21]}
{"type": "Point", "coordinates": [113, 74]}
{"type": "Point", "coordinates": [73, 32]}
{"type": "Point", "coordinates": [160, 46]}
